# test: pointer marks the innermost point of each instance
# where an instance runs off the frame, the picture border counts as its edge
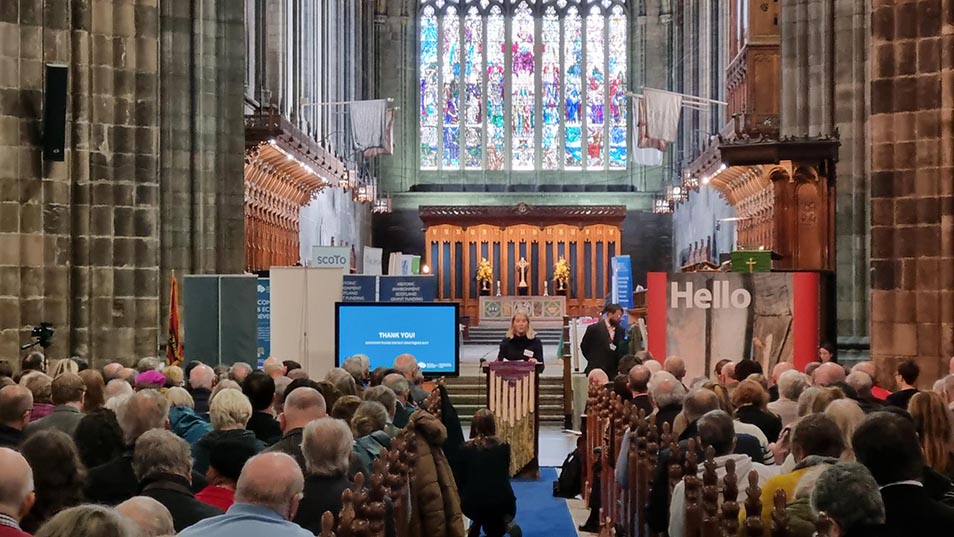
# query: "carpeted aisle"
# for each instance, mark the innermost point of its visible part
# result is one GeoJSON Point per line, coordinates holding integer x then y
{"type": "Point", "coordinates": [539, 513]}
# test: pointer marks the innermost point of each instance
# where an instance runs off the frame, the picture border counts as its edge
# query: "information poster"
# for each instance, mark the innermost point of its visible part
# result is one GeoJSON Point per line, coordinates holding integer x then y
{"type": "Point", "coordinates": [358, 288]}
{"type": "Point", "coordinates": [622, 284]}
{"type": "Point", "coordinates": [408, 288]}
{"type": "Point", "coordinates": [264, 316]}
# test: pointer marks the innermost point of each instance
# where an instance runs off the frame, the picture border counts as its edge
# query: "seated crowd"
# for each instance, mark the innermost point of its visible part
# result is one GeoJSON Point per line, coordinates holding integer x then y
{"type": "Point", "coordinates": [851, 457]}
{"type": "Point", "coordinates": [234, 451]}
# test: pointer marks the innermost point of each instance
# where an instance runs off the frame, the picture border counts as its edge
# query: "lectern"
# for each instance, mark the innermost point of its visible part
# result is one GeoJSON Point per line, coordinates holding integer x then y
{"type": "Point", "coordinates": [513, 394]}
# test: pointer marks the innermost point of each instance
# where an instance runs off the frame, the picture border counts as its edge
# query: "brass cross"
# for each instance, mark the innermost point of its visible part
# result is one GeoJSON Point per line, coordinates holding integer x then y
{"type": "Point", "coordinates": [522, 265]}
{"type": "Point", "coordinates": [751, 264]}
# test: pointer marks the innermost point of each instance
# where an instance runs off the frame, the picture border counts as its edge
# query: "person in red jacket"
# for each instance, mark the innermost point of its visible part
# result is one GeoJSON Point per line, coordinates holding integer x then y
{"type": "Point", "coordinates": [16, 492]}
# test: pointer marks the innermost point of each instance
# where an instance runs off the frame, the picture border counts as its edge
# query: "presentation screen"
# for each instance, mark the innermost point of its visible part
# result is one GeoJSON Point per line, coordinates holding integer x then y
{"type": "Point", "coordinates": [382, 331]}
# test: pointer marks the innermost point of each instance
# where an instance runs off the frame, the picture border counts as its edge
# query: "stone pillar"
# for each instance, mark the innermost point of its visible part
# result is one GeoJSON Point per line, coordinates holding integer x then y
{"type": "Point", "coordinates": [912, 202]}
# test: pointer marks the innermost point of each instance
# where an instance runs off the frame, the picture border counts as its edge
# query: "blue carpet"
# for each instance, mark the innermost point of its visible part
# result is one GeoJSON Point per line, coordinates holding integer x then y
{"type": "Point", "coordinates": [539, 513]}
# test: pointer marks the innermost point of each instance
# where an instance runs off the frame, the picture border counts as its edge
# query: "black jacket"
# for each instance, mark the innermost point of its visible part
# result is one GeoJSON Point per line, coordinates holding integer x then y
{"type": "Point", "coordinates": [203, 448]}
{"type": "Point", "coordinates": [599, 351]}
{"type": "Point", "coordinates": [667, 414]}
{"type": "Point", "coordinates": [483, 479]}
{"type": "Point", "coordinates": [115, 482]}
{"type": "Point", "coordinates": [901, 398]}
{"type": "Point", "coordinates": [265, 427]}
{"type": "Point", "coordinates": [402, 415]}
{"type": "Point", "coordinates": [201, 398]}
{"type": "Point", "coordinates": [517, 348]}
{"type": "Point", "coordinates": [290, 444]}
{"type": "Point", "coordinates": [910, 511]}
{"type": "Point", "coordinates": [643, 402]}
{"type": "Point", "coordinates": [174, 492]}
{"type": "Point", "coordinates": [321, 494]}
{"type": "Point", "coordinates": [769, 423]}
{"type": "Point", "coordinates": [10, 437]}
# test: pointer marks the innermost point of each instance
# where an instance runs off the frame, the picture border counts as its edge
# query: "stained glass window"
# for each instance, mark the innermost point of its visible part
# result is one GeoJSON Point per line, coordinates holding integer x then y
{"type": "Point", "coordinates": [523, 84]}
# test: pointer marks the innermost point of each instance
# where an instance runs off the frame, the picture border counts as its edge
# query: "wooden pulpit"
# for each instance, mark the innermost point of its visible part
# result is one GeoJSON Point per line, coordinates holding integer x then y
{"type": "Point", "coordinates": [513, 395]}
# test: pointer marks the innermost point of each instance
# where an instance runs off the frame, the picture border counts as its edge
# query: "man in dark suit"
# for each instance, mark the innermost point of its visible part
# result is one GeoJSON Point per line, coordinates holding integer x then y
{"type": "Point", "coordinates": [887, 443]}
{"type": "Point", "coordinates": [16, 402]}
{"type": "Point", "coordinates": [603, 342]}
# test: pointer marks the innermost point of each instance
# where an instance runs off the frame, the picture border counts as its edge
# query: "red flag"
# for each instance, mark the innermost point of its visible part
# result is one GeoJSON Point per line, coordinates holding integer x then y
{"type": "Point", "coordinates": [174, 345]}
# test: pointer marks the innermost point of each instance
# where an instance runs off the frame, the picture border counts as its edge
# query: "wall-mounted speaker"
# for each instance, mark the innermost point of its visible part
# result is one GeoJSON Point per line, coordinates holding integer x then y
{"type": "Point", "coordinates": [54, 112]}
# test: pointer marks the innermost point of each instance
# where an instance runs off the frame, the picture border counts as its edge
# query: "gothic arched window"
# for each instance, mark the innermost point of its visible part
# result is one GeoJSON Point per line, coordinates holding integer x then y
{"type": "Point", "coordinates": [523, 84]}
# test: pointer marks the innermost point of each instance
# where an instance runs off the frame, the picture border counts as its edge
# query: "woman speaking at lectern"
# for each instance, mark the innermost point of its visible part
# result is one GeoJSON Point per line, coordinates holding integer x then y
{"type": "Point", "coordinates": [521, 343]}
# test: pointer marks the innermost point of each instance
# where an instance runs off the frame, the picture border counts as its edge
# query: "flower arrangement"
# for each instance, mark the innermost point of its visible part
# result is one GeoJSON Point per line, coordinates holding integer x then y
{"type": "Point", "coordinates": [561, 273]}
{"type": "Point", "coordinates": [485, 273]}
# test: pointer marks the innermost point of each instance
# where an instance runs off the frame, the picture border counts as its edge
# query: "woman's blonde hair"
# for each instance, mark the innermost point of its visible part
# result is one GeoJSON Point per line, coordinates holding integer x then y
{"type": "Point", "coordinates": [530, 334]}
{"type": "Point", "coordinates": [179, 397]}
{"type": "Point", "coordinates": [933, 420]}
{"type": "Point", "coordinates": [847, 414]}
{"type": "Point", "coordinates": [230, 409]}
{"type": "Point", "coordinates": [174, 374]}
{"type": "Point", "coordinates": [87, 521]}
{"type": "Point", "coordinates": [64, 366]}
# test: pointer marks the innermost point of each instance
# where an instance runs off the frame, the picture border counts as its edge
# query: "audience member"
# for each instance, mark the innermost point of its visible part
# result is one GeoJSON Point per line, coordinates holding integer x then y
{"type": "Point", "coordinates": [906, 376]}
{"type": "Point", "coordinates": [668, 393]}
{"type": "Point", "coordinates": [810, 368]}
{"type": "Point", "coordinates": [717, 371]}
{"type": "Point", "coordinates": [345, 408]}
{"type": "Point", "coordinates": [653, 366]}
{"type": "Point", "coordinates": [745, 368]}
{"type": "Point", "coordinates": [727, 378]}
{"type": "Point", "coordinates": [41, 386]}
{"type": "Point", "coordinates": [174, 375]}
{"type": "Point", "coordinates": [849, 497]}
{"type": "Point", "coordinates": [129, 375]}
{"type": "Point", "coordinates": [224, 385]}
{"type": "Point", "coordinates": [225, 466]}
{"type": "Point", "coordinates": [750, 401]}
{"type": "Point", "coordinates": [95, 397]}
{"type": "Point", "coordinates": [343, 381]}
{"type": "Point", "coordinates": [68, 392]}
{"type": "Point", "coordinates": [677, 367]}
{"type": "Point", "coordinates": [358, 366]}
{"type": "Point", "coordinates": [385, 396]}
{"type": "Point", "coordinates": [327, 390]}
{"type": "Point", "coordinates": [935, 428]}
{"type": "Point", "coordinates": [777, 372]}
{"type": "Point", "coordinates": [862, 383]}
{"type": "Point", "coordinates": [163, 466]}
{"type": "Point", "coordinates": [150, 380]}
{"type": "Point", "coordinates": [716, 430]}
{"type": "Point", "coordinates": [148, 364]}
{"type": "Point", "coordinates": [626, 363]}
{"type": "Point", "coordinates": [401, 388]}
{"type": "Point", "coordinates": [64, 366]}
{"type": "Point", "coordinates": [816, 440]}
{"type": "Point", "coordinates": [230, 413]}
{"type": "Point", "coordinates": [949, 391]}
{"type": "Point", "coordinates": [278, 401]}
{"type": "Point", "coordinates": [290, 365]}
{"type": "Point", "coordinates": [16, 403]}
{"type": "Point", "coordinates": [408, 366]}
{"type": "Point", "coordinates": [888, 445]}
{"type": "Point", "coordinates": [825, 397]}
{"type": "Point", "coordinates": [221, 372]}
{"type": "Point", "coordinates": [367, 424]}
{"type": "Point", "coordinates": [273, 367]}
{"type": "Point", "coordinates": [116, 388]}
{"type": "Point", "coordinates": [790, 386]}
{"type": "Point", "coordinates": [111, 371]}
{"type": "Point", "coordinates": [115, 481]}
{"type": "Point", "coordinates": [639, 388]}
{"type": "Point", "coordinates": [58, 475]}
{"type": "Point", "coordinates": [88, 521]}
{"type": "Point", "coordinates": [239, 371]}
{"type": "Point", "coordinates": [827, 374]}
{"type": "Point", "coordinates": [260, 390]}
{"type": "Point", "coordinates": [17, 494]}
{"type": "Point", "coordinates": [34, 361]}
{"type": "Point", "coordinates": [296, 374]}
{"type": "Point", "coordinates": [326, 444]}
{"type": "Point", "coordinates": [98, 437]}
{"type": "Point", "coordinates": [183, 419]}
{"type": "Point", "coordinates": [847, 414]}
{"type": "Point", "coordinates": [377, 376]}
{"type": "Point", "coordinates": [621, 387]}
{"type": "Point", "coordinates": [483, 479]}
{"type": "Point", "coordinates": [302, 406]}
{"type": "Point", "coordinates": [202, 380]}
{"type": "Point", "coordinates": [151, 517]}
{"type": "Point", "coordinates": [267, 497]}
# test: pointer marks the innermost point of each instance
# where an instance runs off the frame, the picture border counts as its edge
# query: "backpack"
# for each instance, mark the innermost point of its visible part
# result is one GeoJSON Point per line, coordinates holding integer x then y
{"type": "Point", "coordinates": [570, 482]}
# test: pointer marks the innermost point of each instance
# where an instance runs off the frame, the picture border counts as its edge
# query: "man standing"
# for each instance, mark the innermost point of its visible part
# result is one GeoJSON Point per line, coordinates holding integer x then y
{"type": "Point", "coordinates": [602, 344]}
{"type": "Point", "coordinates": [302, 406]}
{"type": "Point", "coordinates": [16, 402]}
{"type": "Point", "coordinates": [68, 393]}
{"type": "Point", "coordinates": [907, 375]}
{"type": "Point", "coordinates": [16, 493]}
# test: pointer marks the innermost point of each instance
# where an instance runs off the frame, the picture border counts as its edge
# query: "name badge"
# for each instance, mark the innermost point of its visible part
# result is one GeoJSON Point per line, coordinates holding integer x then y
{"type": "Point", "coordinates": [528, 353]}
{"type": "Point", "coordinates": [612, 346]}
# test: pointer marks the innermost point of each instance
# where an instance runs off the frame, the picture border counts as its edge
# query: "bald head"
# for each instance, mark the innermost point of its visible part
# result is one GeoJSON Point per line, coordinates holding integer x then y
{"type": "Point", "coordinates": [727, 378]}
{"type": "Point", "coordinates": [639, 379]}
{"type": "Point", "coordinates": [302, 406]}
{"type": "Point", "coordinates": [274, 367]}
{"type": "Point", "coordinates": [111, 371]}
{"type": "Point", "coordinates": [407, 365]}
{"type": "Point", "coordinates": [780, 368]}
{"type": "Point", "coordinates": [676, 366]}
{"type": "Point", "coordinates": [148, 515]}
{"type": "Point", "coordinates": [117, 388]}
{"type": "Point", "coordinates": [827, 374]}
{"type": "Point", "coordinates": [16, 402]}
{"type": "Point", "coordinates": [272, 480]}
{"type": "Point", "coordinates": [16, 487]}
{"type": "Point", "coordinates": [597, 377]}
{"type": "Point", "coordinates": [202, 376]}
{"type": "Point", "coordinates": [698, 403]}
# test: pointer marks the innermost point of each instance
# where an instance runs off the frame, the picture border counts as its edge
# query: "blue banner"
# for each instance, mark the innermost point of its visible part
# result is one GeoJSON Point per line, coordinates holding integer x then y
{"type": "Point", "coordinates": [622, 284]}
{"type": "Point", "coordinates": [264, 316]}
{"type": "Point", "coordinates": [359, 288]}
{"type": "Point", "coordinates": [407, 289]}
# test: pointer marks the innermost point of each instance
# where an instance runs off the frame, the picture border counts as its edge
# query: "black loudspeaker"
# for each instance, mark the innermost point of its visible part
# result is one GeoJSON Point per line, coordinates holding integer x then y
{"type": "Point", "coordinates": [54, 113]}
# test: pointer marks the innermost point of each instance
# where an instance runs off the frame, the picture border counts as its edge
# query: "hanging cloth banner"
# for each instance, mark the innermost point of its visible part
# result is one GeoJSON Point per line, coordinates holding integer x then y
{"type": "Point", "coordinates": [662, 114]}
{"type": "Point", "coordinates": [369, 124]}
{"type": "Point", "coordinates": [388, 148]}
{"type": "Point", "coordinates": [649, 152]}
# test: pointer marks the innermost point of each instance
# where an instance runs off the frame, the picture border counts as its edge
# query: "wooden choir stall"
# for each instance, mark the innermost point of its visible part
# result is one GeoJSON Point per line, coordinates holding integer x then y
{"type": "Point", "coordinates": [513, 394]}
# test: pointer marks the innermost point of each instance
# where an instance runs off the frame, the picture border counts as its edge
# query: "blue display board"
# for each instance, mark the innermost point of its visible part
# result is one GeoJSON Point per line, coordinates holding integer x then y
{"type": "Point", "coordinates": [622, 284]}
{"type": "Point", "coordinates": [407, 289]}
{"type": "Point", "coordinates": [428, 331]}
{"type": "Point", "coordinates": [264, 316]}
{"type": "Point", "coordinates": [359, 288]}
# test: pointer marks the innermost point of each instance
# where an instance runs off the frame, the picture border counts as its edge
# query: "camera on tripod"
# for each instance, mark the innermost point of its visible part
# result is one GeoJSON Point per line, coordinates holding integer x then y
{"type": "Point", "coordinates": [43, 334]}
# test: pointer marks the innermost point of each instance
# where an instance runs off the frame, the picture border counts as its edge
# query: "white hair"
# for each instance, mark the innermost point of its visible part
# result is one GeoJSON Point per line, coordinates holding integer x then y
{"type": "Point", "coordinates": [326, 445]}
{"type": "Point", "coordinates": [230, 409]}
{"type": "Point", "coordinates": [179, 397]}
{"type": "Point", "coordinates": [140, 412]}
{"type": "Point", "coordinates": [159, 451]}
{"type": "Point", "coordinates": [667, 390]}
{"type": "Point", "coordinates": [791, 384]}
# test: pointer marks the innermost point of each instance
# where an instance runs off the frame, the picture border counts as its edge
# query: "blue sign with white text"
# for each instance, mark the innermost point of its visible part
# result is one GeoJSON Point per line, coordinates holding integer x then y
{"type": "Point", "coordinates": [264, 315]}
{"type": "Point", "coordinates": [622, 284]}
{"type": "Point", "coordinates": [408, 288]}
{"type": "Point", "coordinates": [359, 288]}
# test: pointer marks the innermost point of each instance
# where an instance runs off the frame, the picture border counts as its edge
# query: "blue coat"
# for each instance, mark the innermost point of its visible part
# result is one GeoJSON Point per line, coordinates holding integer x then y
{"type": "Point", "coordinates": [187, 424]}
